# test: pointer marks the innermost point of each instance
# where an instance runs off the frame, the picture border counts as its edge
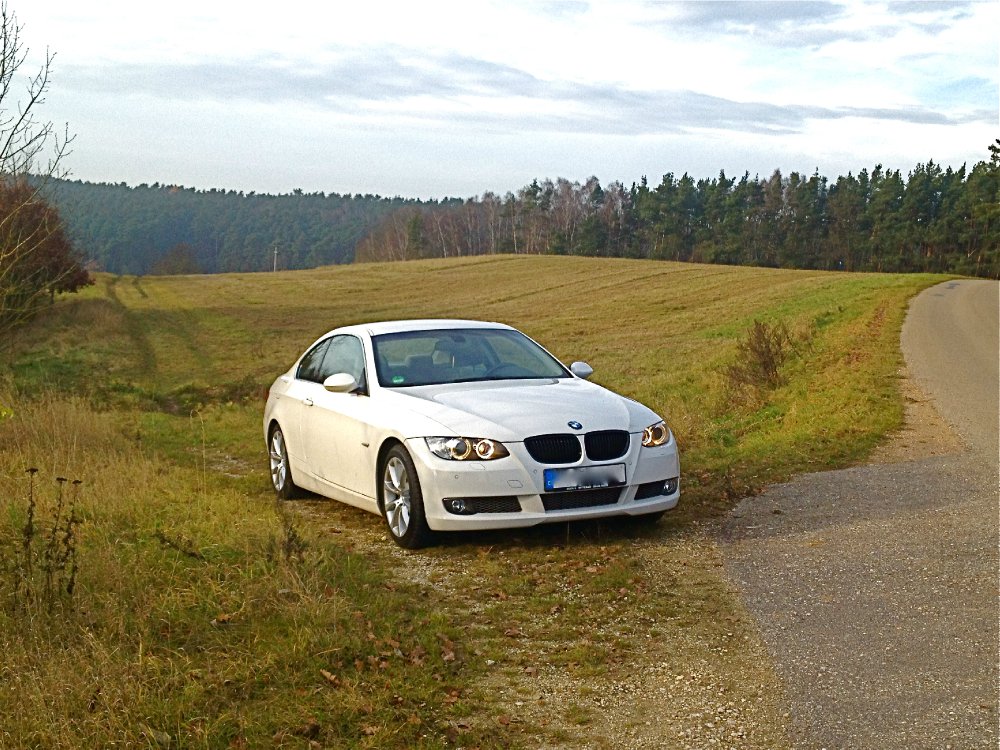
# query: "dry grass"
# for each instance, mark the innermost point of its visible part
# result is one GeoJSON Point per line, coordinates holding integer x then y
{"type": "Point", "coordinates": [202, 615]}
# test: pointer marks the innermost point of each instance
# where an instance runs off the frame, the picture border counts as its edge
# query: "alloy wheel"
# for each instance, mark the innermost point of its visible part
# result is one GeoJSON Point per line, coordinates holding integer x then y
{"type": "Point", "coordinates": [279, 461]}
{"type": "Point", "coordinates": [396, 496]}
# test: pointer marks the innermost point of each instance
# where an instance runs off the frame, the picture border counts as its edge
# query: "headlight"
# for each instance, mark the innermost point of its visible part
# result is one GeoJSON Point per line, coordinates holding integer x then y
{"type": "Point", "coordinates": [656, 434]}
{"type": "Point", "coordinates": [466, 449]}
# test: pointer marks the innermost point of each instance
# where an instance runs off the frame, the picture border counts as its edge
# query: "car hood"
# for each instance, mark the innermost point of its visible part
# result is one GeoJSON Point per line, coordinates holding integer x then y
{"type": "Point", "coordinates": [513, 410]}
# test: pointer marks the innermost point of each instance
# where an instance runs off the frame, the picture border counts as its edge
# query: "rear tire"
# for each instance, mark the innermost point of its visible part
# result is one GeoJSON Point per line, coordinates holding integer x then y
{"type": "Point", "coordinates": [401, 501]}
{"type": "Point", "coordinates": [281, 467]}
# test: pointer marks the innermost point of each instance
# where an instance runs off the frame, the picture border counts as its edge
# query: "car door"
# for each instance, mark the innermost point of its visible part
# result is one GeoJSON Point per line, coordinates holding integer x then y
{"type": "Point", "coordinates": [299, 391]}
{"type": "Point", "coordinates": [336, 426]}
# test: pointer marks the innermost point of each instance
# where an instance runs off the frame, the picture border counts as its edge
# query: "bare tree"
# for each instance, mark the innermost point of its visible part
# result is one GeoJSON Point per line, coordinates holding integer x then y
{"type": "Point", "coordinates": [28, 145]}
{"type": "Point", "coordinates": [36, 262]}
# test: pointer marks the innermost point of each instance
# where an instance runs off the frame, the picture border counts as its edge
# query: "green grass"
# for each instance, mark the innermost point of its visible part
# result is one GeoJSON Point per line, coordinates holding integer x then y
{"type": "Point", "coordinates": [205, 613]}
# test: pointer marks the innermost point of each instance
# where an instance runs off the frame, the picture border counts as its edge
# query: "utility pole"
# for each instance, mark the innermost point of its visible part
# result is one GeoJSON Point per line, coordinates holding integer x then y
{"type": "Point", "coordinates": [275, 268]}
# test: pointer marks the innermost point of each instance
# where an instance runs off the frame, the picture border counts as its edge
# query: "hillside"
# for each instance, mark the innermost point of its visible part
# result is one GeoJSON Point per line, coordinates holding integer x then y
{"type": "Point", "coordinates": [132, 230]}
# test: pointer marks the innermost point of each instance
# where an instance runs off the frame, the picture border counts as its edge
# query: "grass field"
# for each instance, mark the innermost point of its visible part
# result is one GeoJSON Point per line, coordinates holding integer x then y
{"type": "Point", "coordinates": [203, 615]}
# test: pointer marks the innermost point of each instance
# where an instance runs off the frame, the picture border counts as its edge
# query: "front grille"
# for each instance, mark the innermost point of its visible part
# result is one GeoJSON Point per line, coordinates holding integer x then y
{"type": "Point", "coordinates": [573, 499]}
{"type": "Point", "coordinates": [468, 506]}
{"type": "Point", "coordinates": [606, 445]}
{"type": "Point", "coordinates": [554, 449]}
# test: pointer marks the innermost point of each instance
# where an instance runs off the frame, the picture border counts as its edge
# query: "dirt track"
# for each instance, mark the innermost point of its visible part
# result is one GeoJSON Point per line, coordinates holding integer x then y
{"type": "Point", "coordinates": [875, 588]}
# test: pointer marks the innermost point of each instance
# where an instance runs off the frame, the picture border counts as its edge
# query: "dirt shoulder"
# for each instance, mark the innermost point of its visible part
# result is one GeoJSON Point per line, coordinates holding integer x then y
{"type": "Point", "coordinates": [925, 432]}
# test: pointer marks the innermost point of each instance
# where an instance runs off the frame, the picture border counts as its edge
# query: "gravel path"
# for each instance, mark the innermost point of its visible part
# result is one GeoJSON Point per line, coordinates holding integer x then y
{"type": "Point", "coordinates": [876, 588]}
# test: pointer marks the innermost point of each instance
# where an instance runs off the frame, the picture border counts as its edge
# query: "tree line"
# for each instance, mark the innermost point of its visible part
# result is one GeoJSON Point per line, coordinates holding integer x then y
{"type": "Point", "coordinates": [169, 229]}
{"type": "Point", "coordinates": [933, 220]}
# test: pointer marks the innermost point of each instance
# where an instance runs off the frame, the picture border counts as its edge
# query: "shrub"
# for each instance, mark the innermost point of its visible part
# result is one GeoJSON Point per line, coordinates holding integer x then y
{"type": "Point", "coordinates": [760, 355]}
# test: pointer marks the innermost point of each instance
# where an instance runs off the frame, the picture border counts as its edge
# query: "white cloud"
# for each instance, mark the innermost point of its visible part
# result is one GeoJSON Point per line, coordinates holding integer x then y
{"type": "Point", "coordinates": [458, 97]}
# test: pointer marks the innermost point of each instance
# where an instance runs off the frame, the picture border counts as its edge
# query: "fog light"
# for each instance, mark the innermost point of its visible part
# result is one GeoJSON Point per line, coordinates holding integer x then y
{"type": "Point", "coordinates": [455, 505]}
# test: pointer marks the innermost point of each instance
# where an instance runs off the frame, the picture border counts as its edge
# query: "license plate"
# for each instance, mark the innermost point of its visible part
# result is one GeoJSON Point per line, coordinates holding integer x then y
{"type": "Point", "coordinates": [584, 477]}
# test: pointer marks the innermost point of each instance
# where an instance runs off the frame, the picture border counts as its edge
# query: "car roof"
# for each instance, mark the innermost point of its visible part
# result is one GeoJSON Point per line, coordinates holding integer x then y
{"type": "Point", "coordinates": [400, 326]}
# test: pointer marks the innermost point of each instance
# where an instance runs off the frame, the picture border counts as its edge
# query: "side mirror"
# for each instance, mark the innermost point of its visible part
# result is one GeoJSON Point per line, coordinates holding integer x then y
{"type": "Point", "coordinates": [341, 382]}
{"type": "Point", "coordinates": [581, 370]}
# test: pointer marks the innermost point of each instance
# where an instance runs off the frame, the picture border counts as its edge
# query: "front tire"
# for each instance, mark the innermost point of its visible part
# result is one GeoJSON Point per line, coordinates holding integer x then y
{"type": "Point", "coordinates": [401, 501]}
{"type": "Point", "coordinates": [281, 467]}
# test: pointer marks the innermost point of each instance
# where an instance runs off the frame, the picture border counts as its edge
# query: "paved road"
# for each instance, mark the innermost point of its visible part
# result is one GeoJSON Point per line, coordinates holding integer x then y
{"type": "Point", "coordinates": [876, 587]}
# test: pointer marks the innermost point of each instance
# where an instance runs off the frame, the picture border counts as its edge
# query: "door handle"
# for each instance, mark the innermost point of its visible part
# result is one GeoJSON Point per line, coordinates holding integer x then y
{"type": "Point", "coordinates": [308, 402]}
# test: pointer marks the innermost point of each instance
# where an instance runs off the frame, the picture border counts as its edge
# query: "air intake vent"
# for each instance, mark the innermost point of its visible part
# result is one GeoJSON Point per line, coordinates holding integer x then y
{"type": "Point", "coordinates": [606, 445]}
{"type": "Point", "coordinates": [554, 449]}
{"type": "Point", "coordinates": [580, 498]}
{"type": "Point", "coordinates": [469, 506]}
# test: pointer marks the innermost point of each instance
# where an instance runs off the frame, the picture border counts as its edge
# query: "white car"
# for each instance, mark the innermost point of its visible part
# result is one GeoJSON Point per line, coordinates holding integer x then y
{"type": "Point", "coordinates": [442, 425]}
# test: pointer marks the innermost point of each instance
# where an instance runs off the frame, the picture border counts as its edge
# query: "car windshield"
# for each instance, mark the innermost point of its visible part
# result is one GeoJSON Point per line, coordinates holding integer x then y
{"type": "Point", "coordinates": [460, 356]}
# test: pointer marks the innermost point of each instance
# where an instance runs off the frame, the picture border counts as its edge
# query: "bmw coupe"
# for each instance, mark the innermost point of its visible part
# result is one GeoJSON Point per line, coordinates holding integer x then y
{"type": "Point", "coordinates": [441, 425]}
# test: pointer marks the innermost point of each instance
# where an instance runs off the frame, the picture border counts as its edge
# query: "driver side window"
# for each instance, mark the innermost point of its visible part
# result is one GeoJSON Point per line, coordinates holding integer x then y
{"type": "Point", "coordinates": [310, 366]}
{"type": "Point", "coordinates": [345, 354]}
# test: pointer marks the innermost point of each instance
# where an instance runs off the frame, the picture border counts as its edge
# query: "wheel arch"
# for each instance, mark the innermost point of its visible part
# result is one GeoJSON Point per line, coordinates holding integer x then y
{"type": "Point", "coordinates": [387, 445]}
{"type": "Point", "coordinates": [270, 428]}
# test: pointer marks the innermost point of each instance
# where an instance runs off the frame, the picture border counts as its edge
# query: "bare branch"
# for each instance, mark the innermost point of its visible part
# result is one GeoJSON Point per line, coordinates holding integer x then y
{"type": "Point", "coordinates": [36, 259]}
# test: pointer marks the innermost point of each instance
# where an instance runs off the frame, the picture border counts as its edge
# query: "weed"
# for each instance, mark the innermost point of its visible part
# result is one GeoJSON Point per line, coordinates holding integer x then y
{"type": "Point", "coordinates": [181, 544]}
{"type": "Point", "coordinates": [759, 357]}
{"type": "Point", "coordinates": [41, 567]}
{"type": "Point", "coordinates": [290, 546]}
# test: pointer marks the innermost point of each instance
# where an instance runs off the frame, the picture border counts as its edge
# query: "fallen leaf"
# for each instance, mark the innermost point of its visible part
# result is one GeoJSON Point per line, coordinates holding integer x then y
{"type": "Point", "coordinates": [160, 739]}
{"type": "Point", "coordinates": [310, 730]}
{"type": "Point", "coordinates": [330, 677]}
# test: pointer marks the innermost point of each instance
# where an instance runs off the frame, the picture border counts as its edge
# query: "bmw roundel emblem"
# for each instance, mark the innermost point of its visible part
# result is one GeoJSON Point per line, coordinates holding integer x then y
{"type": "Point", "coordinates": [575, 425]}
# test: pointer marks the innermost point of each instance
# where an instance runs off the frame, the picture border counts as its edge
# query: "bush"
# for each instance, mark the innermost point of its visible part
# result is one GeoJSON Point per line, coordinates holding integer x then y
{"type": "Point", "coordinates": [760, 355]}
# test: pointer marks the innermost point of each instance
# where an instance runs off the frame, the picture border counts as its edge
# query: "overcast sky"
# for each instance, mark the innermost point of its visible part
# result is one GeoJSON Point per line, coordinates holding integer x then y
{"type": "Point", "coordinates": [432, 99]}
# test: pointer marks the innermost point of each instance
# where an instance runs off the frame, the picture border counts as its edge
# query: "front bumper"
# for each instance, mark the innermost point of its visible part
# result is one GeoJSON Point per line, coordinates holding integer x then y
{"type": "Point", "coordinates": [510, 492]}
